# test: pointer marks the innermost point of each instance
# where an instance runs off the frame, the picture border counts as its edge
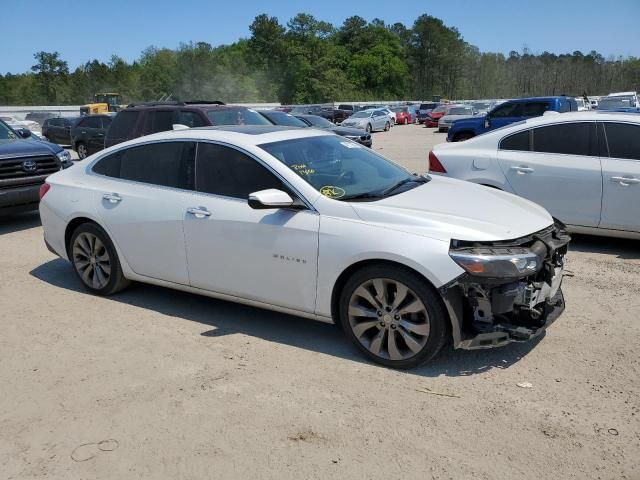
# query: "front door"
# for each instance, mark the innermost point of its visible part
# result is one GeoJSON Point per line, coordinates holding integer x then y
{"type": "Point", "coordinates": [264, 255]}
{"type": "Point", "coordinates": [559, 168]}
{"type": "Point", "coordinates": [621, 177]}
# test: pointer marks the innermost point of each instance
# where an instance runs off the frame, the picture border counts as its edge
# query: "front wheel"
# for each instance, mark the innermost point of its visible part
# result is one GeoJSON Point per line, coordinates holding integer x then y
{"type": "Point", "coordinates": [387, 127]}
{"type": "Point", "coordinates": [95, 260]}
{"type": "Point", "coordinates": [393, 316]}
{"type": "Point", "coordinates": [368, 128]}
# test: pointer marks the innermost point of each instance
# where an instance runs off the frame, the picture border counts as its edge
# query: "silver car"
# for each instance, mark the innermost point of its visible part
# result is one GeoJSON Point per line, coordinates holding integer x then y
{"type": "Point", "coordinates": [455, 112]}
{"type": "Point", "coordinates": [369, 120]}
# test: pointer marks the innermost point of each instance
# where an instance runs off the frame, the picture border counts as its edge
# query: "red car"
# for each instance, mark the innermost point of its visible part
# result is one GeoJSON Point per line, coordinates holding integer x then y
{"type": "Point", "coordinates": [403, 115]}
{"type": "Point", "coordinates": [434, 115]}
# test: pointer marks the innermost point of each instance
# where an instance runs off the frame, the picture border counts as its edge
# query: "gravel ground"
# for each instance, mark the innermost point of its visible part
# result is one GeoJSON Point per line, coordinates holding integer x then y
{"type": "Point", "coordinates": [154, 383]}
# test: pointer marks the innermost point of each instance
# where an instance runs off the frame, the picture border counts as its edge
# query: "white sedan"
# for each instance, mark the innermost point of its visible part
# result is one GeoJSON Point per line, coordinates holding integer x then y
{"type": "Point", "coordinates": [309, 223]}
{"type": "Point", "coordinates": [583, 167]}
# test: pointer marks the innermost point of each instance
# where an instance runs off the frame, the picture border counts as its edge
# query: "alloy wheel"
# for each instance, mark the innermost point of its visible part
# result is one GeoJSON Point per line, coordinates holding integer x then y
{"type": "Point", "coordinates": [388, 319]}
{"type": "Point", "coordinates": [91, 260]}
{"type": "Point", "coordinates": [82, 151]}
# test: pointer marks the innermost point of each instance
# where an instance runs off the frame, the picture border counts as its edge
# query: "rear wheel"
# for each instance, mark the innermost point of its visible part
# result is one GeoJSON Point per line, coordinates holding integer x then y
{"type": "Point", "coordinates": [387, 127]}
{"type": "Point", "coordinates": [95, 260]}
{"type": "Point", "coordinates": [81, 148]}
{"type": "Point", "coordinates": [461, 137]}
{"type": "Point", "coordinates": [393, 316]}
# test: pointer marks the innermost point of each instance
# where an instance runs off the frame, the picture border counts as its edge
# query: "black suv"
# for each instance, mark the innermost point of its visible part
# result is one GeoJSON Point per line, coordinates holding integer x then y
{"type": "Point", "coordinates": [87, 136]}
{"type": "Point", "coordinates": [25, 163]}
{"type": "Point", "coordinates": [142, 119]}
{"type": "Point", "coordinates": [58, 130]}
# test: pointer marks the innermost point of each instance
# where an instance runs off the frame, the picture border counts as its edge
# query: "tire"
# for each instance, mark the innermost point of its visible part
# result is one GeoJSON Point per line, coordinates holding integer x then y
{"type": "Point", "coordinates": [461, 137]}
{"type": "Point", "coordinates": [387, 127]}
{"type": "Point", "coordinates": [406, 121]}
{"type": "Point", "coordinates": [95, 260]}
{"type": "Point", "coordinates": [368, 128]}
{"type": "Point", "coordinates": [81, 148]}
{"type": "Point", "coordinates": [418, 334]}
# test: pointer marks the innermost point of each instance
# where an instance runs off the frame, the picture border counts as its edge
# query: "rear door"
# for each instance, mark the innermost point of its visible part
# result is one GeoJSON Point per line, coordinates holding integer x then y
{"type": "Point", "coordinates": [96, 142]}
{"type": "Point", "coordinates": [89, 128]}
{"type": "Point", "coordinates": [621, 177]}
{"type": "Point", "coordinates": [558, 167]}
{"type": "Point", "coordinates": [140, 201]}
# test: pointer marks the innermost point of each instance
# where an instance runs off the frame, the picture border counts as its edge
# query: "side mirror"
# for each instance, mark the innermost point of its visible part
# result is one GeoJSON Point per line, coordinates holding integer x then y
{"type": "Point", "coordinates": [24, 132]}
{"type": "Point", "coordinates": [268, 199]}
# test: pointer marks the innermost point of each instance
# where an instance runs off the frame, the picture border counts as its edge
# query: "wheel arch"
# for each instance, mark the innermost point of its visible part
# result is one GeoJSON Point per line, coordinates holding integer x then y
{"type": "Point", "coordinates": [72, 226]}
{"type": "Point", "coordinates": [354, 267]}
{"type": "Point", "coordinates": [464, 132]}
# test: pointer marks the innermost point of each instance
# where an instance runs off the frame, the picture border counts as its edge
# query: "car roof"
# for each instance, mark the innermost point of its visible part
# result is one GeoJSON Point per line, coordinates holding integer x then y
{"type": "Point", "coordinates": [537, 99]}
{"type": "Point", "coordinates": [240, 134]}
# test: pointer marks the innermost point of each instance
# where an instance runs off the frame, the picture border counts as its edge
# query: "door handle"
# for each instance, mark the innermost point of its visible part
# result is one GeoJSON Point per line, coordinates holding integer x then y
{"type": "Point", "coordinates": [199, 212]}
{"type": "Point", "coordinates": [625, 181]}
{"type": "Point", "coordinates": [112, 197]}
{"type": "Point", "coordinates": [522, 170]}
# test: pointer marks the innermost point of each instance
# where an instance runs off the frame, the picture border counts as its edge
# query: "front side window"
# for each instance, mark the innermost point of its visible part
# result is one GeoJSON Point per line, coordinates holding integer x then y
{"type": "Point", "coordinates": [106, 122]}
{"type": "Point", "coordinates": [510, 110]}
{"type": "Point", "coordinates": [339, 168]}
{"type": "Point", "coordinates": [623, 140]}
{"type": "Point", "coordinates": [236, 116]}
{"type": "Point", "coordinates": [92, 122]}
{"type": "Point", "coordinates": [518, 141]}
{"type": "Point", "coordinates": [190, 119]}
{"type": "Point", "coordinates": [566, 138]}
{"type": "Point", "coordinates": [228, 172]}
{"type": "Point", "coordinates": [5, 132]}
{"type": "Point", "coordinates": [167, 164]}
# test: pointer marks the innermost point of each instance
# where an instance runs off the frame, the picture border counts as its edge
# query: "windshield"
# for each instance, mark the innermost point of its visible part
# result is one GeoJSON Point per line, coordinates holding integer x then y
{"type": "Point", "coordinates": [317, 121]}
{"type": "Point", "coordinates": [236, 116]}
{"type": "Point", "coordinates": [281, 118]}
{"type": "Point", "coordinates": [481, 105]}
{"type": "Point", "coordinates": [6, 133]}
{"type": "Point", "coordinates": [361, 115]}
{"type": "Point", "coordinates": [400, 109]}
{"type": "Point", "coordinates": [441, 109]}
{"type": "Point", "coordinates": [340, 168]}
{"type": "Point", "coordinates": [622, 101]}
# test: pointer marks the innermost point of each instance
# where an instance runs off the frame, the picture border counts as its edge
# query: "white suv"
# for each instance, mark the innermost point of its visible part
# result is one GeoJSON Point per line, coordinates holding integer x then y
{"type": "Point", "coordinates": [312, 224]}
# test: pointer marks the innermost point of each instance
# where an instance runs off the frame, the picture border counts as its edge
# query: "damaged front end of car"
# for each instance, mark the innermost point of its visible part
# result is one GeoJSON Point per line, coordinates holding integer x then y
{"type": "Point", "coordinates": [510, 291]}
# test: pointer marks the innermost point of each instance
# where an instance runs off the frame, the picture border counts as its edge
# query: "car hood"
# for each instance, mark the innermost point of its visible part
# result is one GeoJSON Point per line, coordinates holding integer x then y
{"type": "Point", "coordinates": [354, 132]}
{"type": "Point", "coordinates": [471, 122]}
{"type": "Point", "coordinates": [447, 209]}
{"type": "Point", "coordinates": [18, 147]}
{"type": "Point", "coordinates": [451, 118]}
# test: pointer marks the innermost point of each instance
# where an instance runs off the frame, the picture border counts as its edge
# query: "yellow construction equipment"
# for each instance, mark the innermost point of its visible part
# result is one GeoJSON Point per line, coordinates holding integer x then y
{"type": "Point", "coordinates": [103, 102]}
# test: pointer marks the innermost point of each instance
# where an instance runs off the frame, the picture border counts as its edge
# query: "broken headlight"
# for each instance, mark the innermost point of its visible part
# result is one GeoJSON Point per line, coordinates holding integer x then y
{"type": "Point", "coordinates": [497, 262]}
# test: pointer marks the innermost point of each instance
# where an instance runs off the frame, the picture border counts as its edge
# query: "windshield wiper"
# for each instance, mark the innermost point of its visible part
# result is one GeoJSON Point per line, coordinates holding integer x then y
{"type": "Point", "coordinates": [361, 196]}
{"type": "Point", "coordinates": [416, 178]}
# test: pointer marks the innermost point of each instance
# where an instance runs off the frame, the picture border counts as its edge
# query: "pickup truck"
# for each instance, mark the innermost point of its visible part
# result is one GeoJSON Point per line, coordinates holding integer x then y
{"type": "Point", "coordinates": [25, 163]}
{"type": "Point", "coordinates": [508, 112]}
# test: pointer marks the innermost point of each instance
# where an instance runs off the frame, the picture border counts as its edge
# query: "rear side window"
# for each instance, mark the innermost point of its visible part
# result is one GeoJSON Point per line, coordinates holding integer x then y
{"type": "Point", "coordinates": [536, 109]}
{"type": "Point", "coordinates": [123, 125]}
{"type": "Point", "coordinates": [623, 140]}
{"type": "Point", "coordinates": [91, 122]}
{"type": "Point", "coordinates": [190, 119]}
{"type": "Point", "coordinates": [565, 106]}
{"type": "Point", "coordinates": [566, 138]}
{"type": "Point", "coordinates": [520, 141]}
{"type": "Point", "coordinates": [228, 172]}
{"type": "Point", "coordinates": [158, 121]}
{"type": "Point", "coordinates": [168, 164]}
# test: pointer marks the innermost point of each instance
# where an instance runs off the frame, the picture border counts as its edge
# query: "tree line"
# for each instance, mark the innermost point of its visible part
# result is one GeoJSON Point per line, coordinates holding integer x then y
{"type": "Point", "coordinates": [312, 61]}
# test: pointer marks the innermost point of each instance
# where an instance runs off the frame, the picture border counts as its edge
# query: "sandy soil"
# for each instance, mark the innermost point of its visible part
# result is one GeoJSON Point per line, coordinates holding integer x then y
{"type": "Point", "coordinates": [159, 384]}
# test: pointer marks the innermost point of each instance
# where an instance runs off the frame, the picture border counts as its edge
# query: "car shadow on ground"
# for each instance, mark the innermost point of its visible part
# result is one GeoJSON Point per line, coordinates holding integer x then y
{"type": "Point", "coordinates": [222, 318]}
{"type": "Point", "coordinates": [622, 248]}
{"type": "Point", "coordinates": [19, 222]}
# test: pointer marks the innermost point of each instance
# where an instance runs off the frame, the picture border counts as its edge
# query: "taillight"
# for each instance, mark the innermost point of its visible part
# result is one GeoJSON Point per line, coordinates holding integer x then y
{"type": "Point", "coordinates": [434, 164]}
{"type": "Point", "coordinates": [44, 188]}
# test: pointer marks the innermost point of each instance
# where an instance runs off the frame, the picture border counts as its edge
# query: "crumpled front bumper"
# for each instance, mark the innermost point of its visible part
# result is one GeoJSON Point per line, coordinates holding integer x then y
{"type": "Point", "coordinates": [487, 313]}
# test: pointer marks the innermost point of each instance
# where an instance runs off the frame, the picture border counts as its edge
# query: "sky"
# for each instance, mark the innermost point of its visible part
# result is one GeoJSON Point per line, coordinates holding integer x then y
{"type": "Point", "coordinates": [84, 30]}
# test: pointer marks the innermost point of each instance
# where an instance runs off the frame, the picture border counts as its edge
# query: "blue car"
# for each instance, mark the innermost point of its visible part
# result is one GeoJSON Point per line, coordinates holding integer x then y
{"type": "Point", "coordinates": [508, 112]}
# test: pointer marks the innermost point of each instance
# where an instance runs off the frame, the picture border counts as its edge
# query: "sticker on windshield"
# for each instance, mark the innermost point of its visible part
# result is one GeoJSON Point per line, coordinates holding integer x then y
{"type": "Point", "coordinates": [332, 192]}
{"type": "Point", "coordinates": [351, 144]}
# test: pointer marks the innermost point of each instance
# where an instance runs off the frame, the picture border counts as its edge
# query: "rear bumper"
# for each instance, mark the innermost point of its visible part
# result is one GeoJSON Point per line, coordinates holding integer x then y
{"type": "Point", "coordinates": [19, 198]}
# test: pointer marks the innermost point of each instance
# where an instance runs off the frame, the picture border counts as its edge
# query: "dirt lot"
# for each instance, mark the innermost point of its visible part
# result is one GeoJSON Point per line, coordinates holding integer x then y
{"type": "Point", "coordinates": [158, 384]}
